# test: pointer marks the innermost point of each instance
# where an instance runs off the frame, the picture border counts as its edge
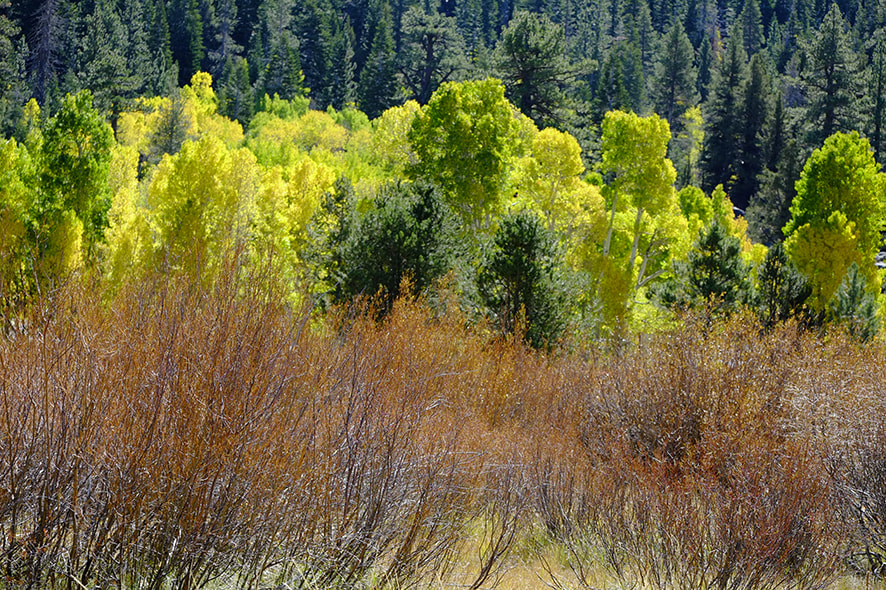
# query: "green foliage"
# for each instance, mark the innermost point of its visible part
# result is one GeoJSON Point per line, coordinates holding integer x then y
{"type": "Point", "coordinates": [719, 159]}
{"type": "Point", "coordinates": [282, 76]}
{"type": "Point", "coordinates": [76, 153]}
{"type": "Point", "coordinates": [782, 290]}
{"type": "Point", "coordinates": [854, 306]}
{"type": "Point", "coordinates": [173, 128]}
{"type": "Point", "coordinates": [830, 79]}
{"type": "Point", "coordinates": [674, 75]}
{"type": "Point", "coordinates": [465, 138]}
{"type": "Point", "coordinates": [407, 235]}
{"type": "Point", "coordinates": [379, 88]}
{"type": "Point", "coordinates": [642, 180]}
{"type": "Point", "coordinates": [532, 61]}
{"type": "Point", "coordinates": [329, 230]}
{"type": "Point", "coordinates": [714, 274]}
{"type": "Point", "coordinates": [201, 200]}
{"type": "Point", "coordinates": [235, 94]}
{"type": "Point", "coordinates": [15, 209]}
{"type": "Point", "coordinates": [431, 53]}
{"type": "Point", "coordinates": [837, 215]}
{"type": "Point", "coordinates": [517, 280]}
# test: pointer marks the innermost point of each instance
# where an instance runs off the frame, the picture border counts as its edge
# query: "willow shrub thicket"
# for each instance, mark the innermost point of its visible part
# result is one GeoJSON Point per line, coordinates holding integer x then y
{"type": "Point", "coordinates": [179, 435]}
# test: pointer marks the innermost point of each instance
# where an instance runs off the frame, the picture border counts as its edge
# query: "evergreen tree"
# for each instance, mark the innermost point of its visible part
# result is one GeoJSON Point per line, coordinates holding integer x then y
{"type": "Point", "coordinates": [340, 87]}
{"type": "Point", "coordinates": [469, 20]}
{"type": "Point", "coordinates": [283, 74]}
{"type": "Point", "coordinates": [314, 44]}
{"type": "Point", "coordinates": [236, 99]}
{"type": "Point", "coordinates": [769, 209]}
{"type": "Point", "coordinates": [517, 280]}
{"type": "Point", "coordinates": [136, 20]}
{"type": "Point", "coordinates": [13, 51]}
{"type": "Point", "coordinates": [329, 231]}
{"type": "Point", "coordinates": [45, 42]}
{"type": "Point", "coordinates": [713, 274]}
{"type": "Point", "coordinates": [672, 86]}
{"type": "Point", "coordinates": [408, 234]}
{"type": "Point", "coordinates": [753, 114]}
{"type": "Point", "coordinates": [101, 64]}
{"type": "Point", "coordinates": [432, 53]}
{"type": "Point", "coordinates": [224, 45]}
{"type": "Point", "coordinates": [172, 129]}
{"type": "Point", "coordinates": [531, 60]}
{"type": "Point", "coordinates": [751, 22]}
{"type": "Point", "coordinates": [163, 75]}
{"type": "Point", "coordinates": [876, 97]}
{"type": "Point", "coordinates": [720, 153]}
{"type": "Point", "coordinates": [855, 306]}
{"type": "Point", "coordinates": [379, 86]}
{"type": "Point", "coordinates": [829, 80]}
{"type": "Point", "coordinates": [705, 66]}
{"type": "Point", "coordinates": [782, 289]}
{"type": "Point", "coordinates": [186, 28]}
{"type": "Point", "coordinates": [611, 93]}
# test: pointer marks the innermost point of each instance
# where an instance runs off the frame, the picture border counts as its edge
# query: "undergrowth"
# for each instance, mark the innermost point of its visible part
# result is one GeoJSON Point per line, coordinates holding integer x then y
{"type": "Point", "coordinates": [178, 435]}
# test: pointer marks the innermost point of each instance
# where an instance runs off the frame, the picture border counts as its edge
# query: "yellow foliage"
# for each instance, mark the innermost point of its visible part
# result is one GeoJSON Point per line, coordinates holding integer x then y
{"type": "Point", "coordinates": [824, 252]}
{"type": "Point", "coordinates": [390, 142]}
{"type": "Point", "coordinates": [201, 201]}
{"type": "Point", "coordinates": [547, 181]}
{"type": "Point", "coordinates": [129, 241]}
{"type": "Point", "coordinates": [64, 251]}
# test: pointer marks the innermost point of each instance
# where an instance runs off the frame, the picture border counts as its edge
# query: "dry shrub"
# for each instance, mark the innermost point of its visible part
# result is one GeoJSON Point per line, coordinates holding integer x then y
{"type": "Point", "coordinates": [181, 435]}
{"type": "Point", "coordinates": [178, 436]}
{"type": "Point", "coordinates": [699, 477]}
{"type": "Point", "coordinates": [839, 401]}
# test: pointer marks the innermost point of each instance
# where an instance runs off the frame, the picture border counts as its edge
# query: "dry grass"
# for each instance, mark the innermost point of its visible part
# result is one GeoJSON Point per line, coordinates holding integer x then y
{"type": "Point", "coordinates": [180, 436]}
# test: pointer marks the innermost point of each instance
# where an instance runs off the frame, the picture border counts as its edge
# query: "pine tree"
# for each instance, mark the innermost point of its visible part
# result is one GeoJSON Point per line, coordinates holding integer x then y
{"type": "Point", "coordinates": [45, 43]}
{"type": "Point", "coordinates": [13, 51]}
{"type": "Point", "coordinates": [224, 45]}
{"type": "Point", "coordinates": [829, 80]}
{"type": "Point", "coordinates": [432, 53]}
{"type": "Point", "coordinates": [672, 86]}
{"type": "Point", "coordinates": [469, 20]}
{"type": "Point", "coordinates": [101, 65]}
{"type": "Point", "coordinates": [705, 66]}
{"type": "Point", "coordinates": [171, 131]}
{"type": "Point", "coordinates": [751, 22]}
{"type": "Point", "coordinates": [163, 75]}
{"type": "Point", "coordinates": [855, 306]}
{"type": "Point", "coordinates": [314, 44]}
{"type": "Point", "coordinates": [720, 154]}
{"type": "Point", "coordinates": [235, 95]}
{"type": "Point", "coordinates": [769, 209]}
{"type": "Point", "coordinates": [517, 280]}
{"type": "Point", "coordinates": [753, 115]}
{"type": "Point", "coordinates": [186, 28]}
{"type": "Point", "coordinates": [876, 97]}
{"type": "Point", "coordinates": [378, 81]}
{"type": "Point", "coordinates": [531, 60]}
{"type": "Point", "coordinates": [283, 73]}
{"type": "Point", "coordinates": [782, 289]}
{"type": "Point", "coordinates": [340, 88]}
{"type": "Point", "coordinates": [611, 93]}
{"type": "Point", "coordinates": [713, 274]}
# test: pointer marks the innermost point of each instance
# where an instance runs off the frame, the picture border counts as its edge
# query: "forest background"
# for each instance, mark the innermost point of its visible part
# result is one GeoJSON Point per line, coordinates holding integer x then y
{"type": "Point", "coordinates": [748, 92]}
